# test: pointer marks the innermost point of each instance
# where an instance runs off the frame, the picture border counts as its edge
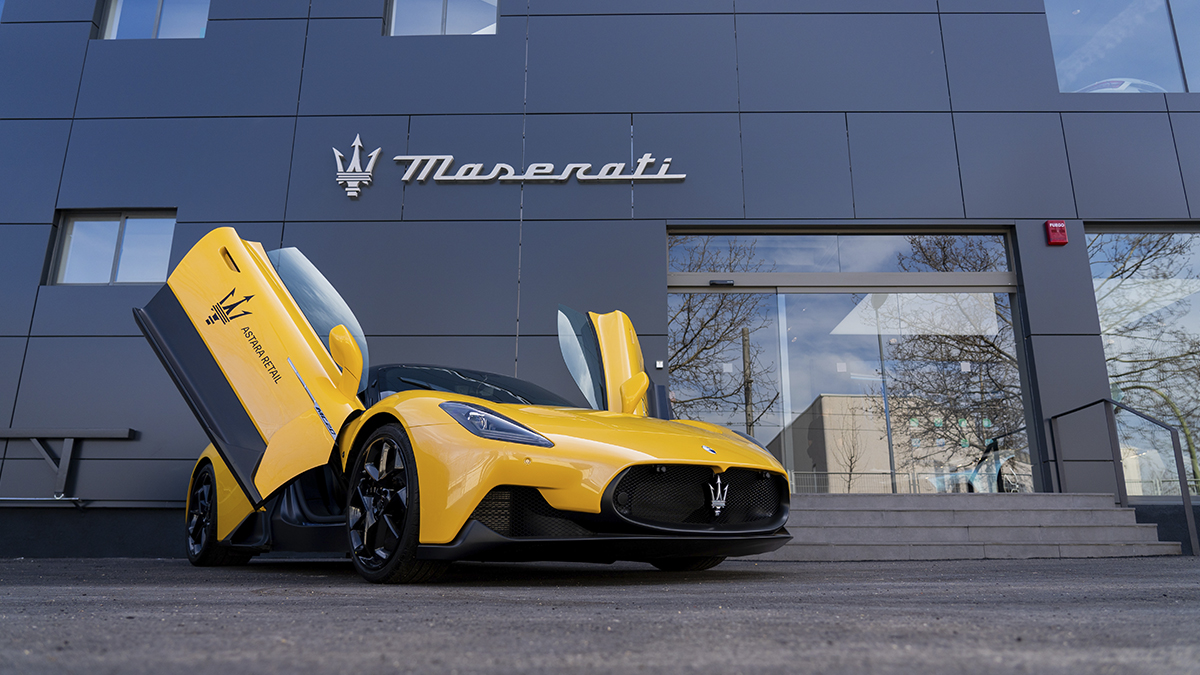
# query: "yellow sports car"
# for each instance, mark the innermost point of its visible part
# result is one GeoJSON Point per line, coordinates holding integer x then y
{"type": "Point", "coordinates": [410, 467]}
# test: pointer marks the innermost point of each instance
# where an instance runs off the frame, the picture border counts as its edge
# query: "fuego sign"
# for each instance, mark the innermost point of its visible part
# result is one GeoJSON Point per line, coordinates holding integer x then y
{"type": "Point", "coordinates": [423, 167]}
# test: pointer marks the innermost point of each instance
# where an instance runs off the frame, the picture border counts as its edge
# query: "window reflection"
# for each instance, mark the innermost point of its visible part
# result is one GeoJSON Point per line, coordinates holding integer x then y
{"type": "Point", "coordinates": [1146, 286]}
{"type": "Point", "coordinates": [1113, 46]}
{"type": "Point", "coordinates": [908, 392]}
{"type": "Point", "coordinates": [838, 253]}
{"type": "Point", "coordinates": [443, 17]}
{"type": "Point", "coordinates": [114, 248]}
{"type": "Point", "coordinates": [856, 392]}
{"type": "Point", "coordinates": [142, 19]}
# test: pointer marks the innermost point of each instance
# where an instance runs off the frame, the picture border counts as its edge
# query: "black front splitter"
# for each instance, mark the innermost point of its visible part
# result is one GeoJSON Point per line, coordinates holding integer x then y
{"type": "Point", "coordinates": [478, 542]}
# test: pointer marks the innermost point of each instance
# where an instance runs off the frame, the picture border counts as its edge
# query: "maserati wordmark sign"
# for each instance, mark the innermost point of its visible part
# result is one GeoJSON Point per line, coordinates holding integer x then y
{"type": "Point", "coordinates": [438, 167]}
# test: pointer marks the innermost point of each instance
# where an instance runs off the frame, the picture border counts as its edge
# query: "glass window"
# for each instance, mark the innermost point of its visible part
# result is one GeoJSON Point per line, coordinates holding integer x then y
{"type": "Point", "coordinates": [141, 19]}
{"type": "Point", "coordinates": [1147, 287]}
{"type": "Point", "coordinates": [443, 17]}
{"type": "Point", "coordinates": [1186, 16]}
{"type": "Point", "coordinates": [114, 248]}
{"type": "Point", "coordinates": [320, 302]}
{"type": "Point", "coordinates": [869, 391]}
{"type": "Point", "coordinates": [1114, 46]}
{"type": "Point", "coordinates": [838, 253]}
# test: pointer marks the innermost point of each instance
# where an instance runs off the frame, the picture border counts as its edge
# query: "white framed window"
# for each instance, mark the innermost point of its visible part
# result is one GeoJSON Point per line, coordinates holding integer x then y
{"type": "Point", "coordinates": [142, 19]}
{"type": "Point", "coordinates": [442, 17]}
{"type": "Point", "coordinates": [114, 248]}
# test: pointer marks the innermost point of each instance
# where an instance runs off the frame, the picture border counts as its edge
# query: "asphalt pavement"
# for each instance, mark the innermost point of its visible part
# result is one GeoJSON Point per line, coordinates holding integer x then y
{"type": "Point", "coordinates": [1139, 615]}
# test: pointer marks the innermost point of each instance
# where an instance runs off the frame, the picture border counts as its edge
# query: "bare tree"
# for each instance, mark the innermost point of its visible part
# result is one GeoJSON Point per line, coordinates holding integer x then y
{"type": "Point", "coordinates": [952, 393]}
{"type": "Point", "coordinates": [848, 450]}
{"type": "Point", "coordinates": [705, 331]}
{"type": "Point", "coordinates": [1143, 281]}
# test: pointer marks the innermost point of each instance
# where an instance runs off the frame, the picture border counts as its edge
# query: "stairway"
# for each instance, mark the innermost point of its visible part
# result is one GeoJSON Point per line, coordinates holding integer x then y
{"type": "Point", "coordinates": [965, 526]}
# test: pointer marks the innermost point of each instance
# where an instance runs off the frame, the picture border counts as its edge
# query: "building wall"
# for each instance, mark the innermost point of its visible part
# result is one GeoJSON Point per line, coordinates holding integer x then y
{"type": "Point", "coordinates": [904, 113]}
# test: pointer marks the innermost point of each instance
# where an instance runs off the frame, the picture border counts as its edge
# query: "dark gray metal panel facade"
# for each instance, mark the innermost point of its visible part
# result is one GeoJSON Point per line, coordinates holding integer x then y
{"type": "Point", "coordinates": [636, 64]}
{"type": "Point", "coordinates": [711, 141]}
{"type": "Point", "coordinates": [427, 278]}
{"type": "Point", "coordinates": [210, 77]}
{"type": "Point", "coordinates": [1124, 165]}
{"type": "Point", "coordinates": [196, 165]}
{"type": "Point", "coordinates": [40, 65]}
{"type": "Point", "coordinates": [410, 75]}
{"type": "Point", "coordinates": [12, 354]}
{"type": "Point", "coordinates": [783, 114]}
{"type": "Point", "coordinates": [564, 139]}
{"type": "Point", "coordinates": [29, 176]}
{"type": "Point", "coordinates": [905, 165]}
{"type": "Point", "coordinates": [838, 62]}
{"type": "Point", "coordinates": [89, 310]}
{"type": "Point", "coordinates": [58, 11]}
{"type": "Point", "coordinates": [261, 9]}
{"type": "Point", "coordinates": [487, 139]}
{"type": "Point", "coordinates": [1014, 164]}
{"type": "Point", "coordinates": [22, 258]}
{"type": "Point", "coordinates": [796, 165]}
{"type": "Point", "coordinates": [593, 267]}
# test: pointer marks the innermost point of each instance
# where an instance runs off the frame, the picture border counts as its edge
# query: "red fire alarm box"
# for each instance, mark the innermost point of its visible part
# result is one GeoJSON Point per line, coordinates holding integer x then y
{"type": "Point", "coordinates": [1056, 232]}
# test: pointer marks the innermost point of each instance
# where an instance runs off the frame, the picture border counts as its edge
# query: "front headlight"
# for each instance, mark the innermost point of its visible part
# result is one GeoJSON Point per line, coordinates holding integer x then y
{"type": "Point", "coordinates": [489, 424]}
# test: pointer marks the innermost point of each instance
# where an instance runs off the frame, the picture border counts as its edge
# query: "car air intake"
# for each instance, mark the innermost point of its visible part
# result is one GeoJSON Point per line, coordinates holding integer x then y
{"type": "Point", "coordinates": [523, 512]}
{"type": "Point", "coordinates": [683, 495]}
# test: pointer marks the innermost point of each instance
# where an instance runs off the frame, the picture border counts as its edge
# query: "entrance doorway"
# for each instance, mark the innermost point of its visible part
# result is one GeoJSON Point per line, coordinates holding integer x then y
{"type": "Point", "coordinates": [865, 363]}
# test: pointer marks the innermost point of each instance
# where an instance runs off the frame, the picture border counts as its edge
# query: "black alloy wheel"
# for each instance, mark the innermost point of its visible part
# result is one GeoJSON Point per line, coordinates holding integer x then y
{"type": "Point", "coordinates": [688, 564]}
{"type": "Point", "coordinates": [203, 549]}
{"type": "Point", "coordinates": [383, 512]}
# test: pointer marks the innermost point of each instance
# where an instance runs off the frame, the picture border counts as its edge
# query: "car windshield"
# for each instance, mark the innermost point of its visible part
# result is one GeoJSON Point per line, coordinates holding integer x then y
{"type": "Point", "coordinates": [388, 380]}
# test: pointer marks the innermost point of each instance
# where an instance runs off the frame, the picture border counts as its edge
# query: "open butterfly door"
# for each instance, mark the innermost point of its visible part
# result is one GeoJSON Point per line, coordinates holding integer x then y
{"type": "Point", "coordinates": [247, 337]}
{"type": "Point", "coordinates": [603, 355]}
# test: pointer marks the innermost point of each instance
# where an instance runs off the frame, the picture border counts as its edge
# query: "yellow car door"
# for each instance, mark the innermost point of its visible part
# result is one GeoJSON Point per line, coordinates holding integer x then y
{"type": "Point", "coordinates": [603, 355]}
{"type": "Point", "coordinates": [250, 338]}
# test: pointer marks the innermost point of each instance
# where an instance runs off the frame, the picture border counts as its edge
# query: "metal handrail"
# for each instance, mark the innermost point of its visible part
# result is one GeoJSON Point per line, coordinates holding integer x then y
{"type": "Point", "coordinates": [1115, 443]}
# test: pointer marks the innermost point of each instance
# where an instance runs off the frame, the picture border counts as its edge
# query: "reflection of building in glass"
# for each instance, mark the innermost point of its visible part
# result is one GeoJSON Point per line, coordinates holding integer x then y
{"type": "Point", "coordinates": [844, 436]}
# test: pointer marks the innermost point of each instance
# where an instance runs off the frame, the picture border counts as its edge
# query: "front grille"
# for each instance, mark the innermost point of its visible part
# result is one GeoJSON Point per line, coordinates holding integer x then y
{"type": "Point", "coordinates": [670, 494]}
{"type": "Point", "coordinates": [523, 512]}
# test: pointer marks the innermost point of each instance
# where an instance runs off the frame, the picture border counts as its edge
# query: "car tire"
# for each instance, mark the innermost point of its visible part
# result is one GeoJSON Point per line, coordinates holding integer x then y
{"type": "Point", "coordinates": [383, 512]}
{"type": "Point", "coordinates": [203, 548]}
{"type": "Point", "coordinates": [688, 564]}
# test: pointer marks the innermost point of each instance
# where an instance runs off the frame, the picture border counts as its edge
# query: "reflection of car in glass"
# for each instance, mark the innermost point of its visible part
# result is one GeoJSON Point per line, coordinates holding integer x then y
{"type": "Point", "coordinates": [409, 467]}
{"type": "Point", "coordinates": [996, 470]}
{"type": "Point", "coordinates": [1122, 85]}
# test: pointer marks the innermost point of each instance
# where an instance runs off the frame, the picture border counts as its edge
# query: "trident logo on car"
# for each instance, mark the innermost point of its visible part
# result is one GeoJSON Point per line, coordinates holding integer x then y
{"type": "Point", "coordinates": [223, 312]}
{"type": "Point", "coordinates": [352, 177]}
{"type": "Point", "coordinates": [719, 494]}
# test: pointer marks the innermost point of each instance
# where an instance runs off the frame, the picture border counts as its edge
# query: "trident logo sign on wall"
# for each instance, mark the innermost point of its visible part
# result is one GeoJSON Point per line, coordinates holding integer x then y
{"type": "Point", "coordinates": [645, 169]}
{"type": "Point", "coordinates": [353, 176]}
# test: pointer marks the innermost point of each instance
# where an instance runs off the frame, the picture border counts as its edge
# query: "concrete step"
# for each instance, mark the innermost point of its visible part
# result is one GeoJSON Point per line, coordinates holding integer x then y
{"type": "Point", "coordinates": [958, 526]}
{"type": "Point", "coordinates": [801, 517]}
{"type": "Point", "coordinates": [966, 551]}
{"type": "Point", "coordinates": [985, 534]}
{"type": "Point", "coordinates": [960, 502]}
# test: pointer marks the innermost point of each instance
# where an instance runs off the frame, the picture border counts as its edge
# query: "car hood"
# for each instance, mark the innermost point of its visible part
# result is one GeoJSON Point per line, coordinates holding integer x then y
{"type": "Point", "coordinates": [676, 441]}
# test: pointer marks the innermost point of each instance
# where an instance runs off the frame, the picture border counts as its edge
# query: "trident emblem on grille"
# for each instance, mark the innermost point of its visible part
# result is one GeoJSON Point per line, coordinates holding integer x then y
{"type": "Point", "coordinates": [719, 493]}
{"type": "Point", "coordinates": [352, 177]}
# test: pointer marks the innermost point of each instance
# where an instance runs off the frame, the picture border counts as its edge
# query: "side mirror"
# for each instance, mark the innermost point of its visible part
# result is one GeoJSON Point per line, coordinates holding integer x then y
{"type": "Point", "coordinates": [633, 394]}
{"type": "Point", "coordinates": [348, 357]}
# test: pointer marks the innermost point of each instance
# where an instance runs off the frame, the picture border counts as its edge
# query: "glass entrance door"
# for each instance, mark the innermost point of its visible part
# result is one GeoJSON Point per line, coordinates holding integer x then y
{"type": "Point", "coordinates": [874, 390]}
